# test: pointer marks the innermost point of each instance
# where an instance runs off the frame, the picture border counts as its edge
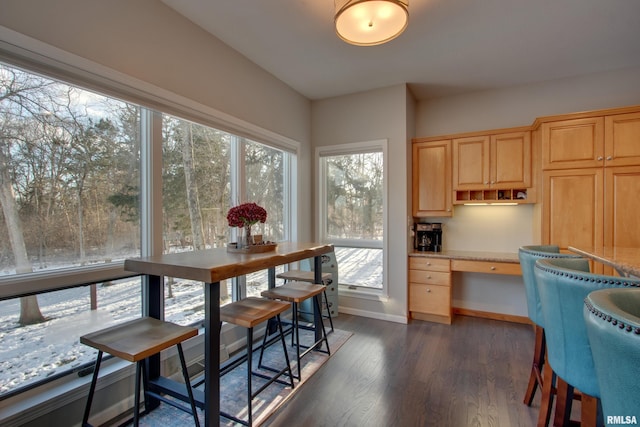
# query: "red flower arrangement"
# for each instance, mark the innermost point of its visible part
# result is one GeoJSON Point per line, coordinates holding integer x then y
{"type": "Point", "coordinates": [246, 214]}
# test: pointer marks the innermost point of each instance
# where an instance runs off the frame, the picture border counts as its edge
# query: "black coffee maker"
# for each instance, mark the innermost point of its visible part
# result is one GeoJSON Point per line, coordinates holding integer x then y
{"type": "Point", "coordinates": [427, 236]}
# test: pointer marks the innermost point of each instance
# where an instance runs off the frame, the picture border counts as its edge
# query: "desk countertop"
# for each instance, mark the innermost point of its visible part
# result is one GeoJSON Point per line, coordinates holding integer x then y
{"type": "Point", "coordinates": [510, 257]}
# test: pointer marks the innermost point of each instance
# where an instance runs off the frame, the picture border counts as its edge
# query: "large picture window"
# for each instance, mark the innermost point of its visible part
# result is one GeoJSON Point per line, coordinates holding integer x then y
{"type": "Point", "coordinates": [71, 198]}
{"type": "Point", "coordinates": [69, 175]}
{"type": "Point", "coordinates": [352, 210]}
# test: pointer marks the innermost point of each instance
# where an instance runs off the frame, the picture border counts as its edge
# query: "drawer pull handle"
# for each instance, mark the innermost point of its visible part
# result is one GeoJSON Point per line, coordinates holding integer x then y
{"type": "Point", "coordinates": [428, 263]}
{"type": "Point", "coordinates": [428, 277]}
{"type": "Point", "coordinates": [492, 267]}
{"type": "Point", "coordinates": [428, 290]}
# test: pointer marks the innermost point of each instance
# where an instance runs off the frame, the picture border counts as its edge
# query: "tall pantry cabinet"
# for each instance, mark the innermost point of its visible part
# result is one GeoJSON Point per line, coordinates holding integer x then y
{"type": "Point", "coordinates": [591, 180]}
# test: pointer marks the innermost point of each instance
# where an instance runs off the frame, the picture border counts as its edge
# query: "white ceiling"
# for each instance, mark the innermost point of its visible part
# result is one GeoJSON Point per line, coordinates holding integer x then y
{"type": "Point", "coordinates": [450, 46]}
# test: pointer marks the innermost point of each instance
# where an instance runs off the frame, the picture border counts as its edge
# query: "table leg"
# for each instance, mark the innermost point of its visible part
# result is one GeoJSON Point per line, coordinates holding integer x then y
{"type": "Point", "coordinates": [212, 354]}
{"type": "Point", "coordinates": [272, 327]}
{"type": "Point", "coordinates": [155, 293]}
{"type": "Point", "coordinates": [317, 316]}
{"type": "Point", "coordinates": [271, 277]}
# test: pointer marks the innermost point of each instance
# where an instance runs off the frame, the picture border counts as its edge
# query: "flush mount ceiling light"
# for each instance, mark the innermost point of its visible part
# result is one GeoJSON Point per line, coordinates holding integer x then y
{"type": "Point", "coordinates": [370, 22]}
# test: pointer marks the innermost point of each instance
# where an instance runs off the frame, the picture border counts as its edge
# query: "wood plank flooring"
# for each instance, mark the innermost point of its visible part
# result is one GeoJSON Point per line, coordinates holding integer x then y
{"type": "Point", "coordinates": [471, 373]}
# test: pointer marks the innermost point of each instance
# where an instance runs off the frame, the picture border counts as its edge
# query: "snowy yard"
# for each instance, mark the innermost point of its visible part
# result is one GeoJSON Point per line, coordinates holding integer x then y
{"type": "Point", "coordinates": [36, 352]}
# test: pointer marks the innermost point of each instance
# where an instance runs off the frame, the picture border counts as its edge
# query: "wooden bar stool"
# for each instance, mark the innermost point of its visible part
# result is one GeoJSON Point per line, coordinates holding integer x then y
{"type": "Point", "coordinates": [249, 313]}
{"type": "Point", "coordinates": [295, 293]}
{"type": "Point", "coordinates": [309, 277]}
{"type": "Point", "coordinates": [135, 341]}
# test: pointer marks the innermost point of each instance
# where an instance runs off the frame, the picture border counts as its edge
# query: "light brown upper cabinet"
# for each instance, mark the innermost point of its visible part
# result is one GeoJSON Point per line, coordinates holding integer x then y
{"type": "Point", "coordinates": [621, 139]}
{"type": "Point", "coordinates": [610, 140]}
{"type": "Point", "coordinates": [591, 182]}
{"type": "Point", "coordinates": [499, 161]}
{"type": "Point", "coordinates": [431, 174]}
{"type": "Point", "coordinates": [471, 162]}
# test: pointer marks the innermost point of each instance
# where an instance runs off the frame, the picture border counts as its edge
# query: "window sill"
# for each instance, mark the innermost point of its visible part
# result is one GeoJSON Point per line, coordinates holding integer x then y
{"type": "Point", "coordinates": [38, 402]}
{"type": "Point", "coordinates": [363, 293]}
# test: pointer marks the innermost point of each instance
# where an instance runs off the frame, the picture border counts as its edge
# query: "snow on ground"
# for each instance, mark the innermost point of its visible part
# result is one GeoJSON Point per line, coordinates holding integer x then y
{"type": "Point", "coordinates": [33, 353]}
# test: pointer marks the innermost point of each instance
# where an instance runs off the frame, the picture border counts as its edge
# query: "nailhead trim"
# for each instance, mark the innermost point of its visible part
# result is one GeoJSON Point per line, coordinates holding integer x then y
{"type": "Point", "coordinates": [581, 277]}
{"type": "Point", "coordinates": [550, 255]}
{"type": "Point", "coordinates": [608, 318]}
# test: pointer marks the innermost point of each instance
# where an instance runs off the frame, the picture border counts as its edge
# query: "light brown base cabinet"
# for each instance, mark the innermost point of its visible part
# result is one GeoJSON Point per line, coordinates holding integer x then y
{"type": "Point", "coordinates": [431, 284]}
{"type": "Point", "coordinates": [430, 289]}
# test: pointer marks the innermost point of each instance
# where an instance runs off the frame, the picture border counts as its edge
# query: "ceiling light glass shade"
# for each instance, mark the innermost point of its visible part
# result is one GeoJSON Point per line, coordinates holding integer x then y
{"type": "Point", "coordinates": [370, 22]}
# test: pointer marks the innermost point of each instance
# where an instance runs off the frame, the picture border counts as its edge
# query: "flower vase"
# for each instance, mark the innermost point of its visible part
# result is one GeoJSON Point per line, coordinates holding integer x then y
{"type": "Point", "coordinates": [247, 236]}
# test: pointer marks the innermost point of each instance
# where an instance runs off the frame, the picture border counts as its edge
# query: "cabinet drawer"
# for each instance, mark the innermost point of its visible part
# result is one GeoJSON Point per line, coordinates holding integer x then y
{"type": "Point", "coordinates": [430, 299]}
{"type": "Point", "coordinates": [431, 264]}
{"type": "Point", "coordinates": [430, 277]}
{"type": "Point", "coordinates": [486, 267]}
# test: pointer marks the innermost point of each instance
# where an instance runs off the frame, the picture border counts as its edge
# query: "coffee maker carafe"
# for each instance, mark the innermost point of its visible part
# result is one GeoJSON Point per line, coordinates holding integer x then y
{"type": "Point", "coordinates": [428, 236]}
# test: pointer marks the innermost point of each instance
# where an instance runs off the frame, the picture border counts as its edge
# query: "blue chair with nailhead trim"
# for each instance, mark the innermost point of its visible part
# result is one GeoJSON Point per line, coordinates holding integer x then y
{"type": "Point", "coordinates": [612, 317]}
{"type": "Point", "coordinates": [563, 284]}
{"type": "Point", "coordinates": [528, 256]}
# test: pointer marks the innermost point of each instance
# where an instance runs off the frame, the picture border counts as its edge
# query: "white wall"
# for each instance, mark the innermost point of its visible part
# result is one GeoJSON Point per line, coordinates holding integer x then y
{"type": "Point", "coordinates": [378, 114]}
{"type": "Point", "coordinates": [521, 105]}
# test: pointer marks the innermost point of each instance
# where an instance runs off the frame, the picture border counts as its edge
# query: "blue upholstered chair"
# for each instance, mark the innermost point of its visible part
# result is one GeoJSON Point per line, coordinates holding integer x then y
{"type": "Point", "coordinates": [528, 256]}
{"type": "Point", "coordinates": [612, 317]}
{"type": "Point", "coordinates": [563, 284]}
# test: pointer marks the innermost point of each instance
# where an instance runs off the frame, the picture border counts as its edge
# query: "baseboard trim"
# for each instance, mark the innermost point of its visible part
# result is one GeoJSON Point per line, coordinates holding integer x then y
{"type": "Point", "coordinates": [446, 320]}
{"type": "Point", "coordinates": [373, 315]}
{"type": "Point", "coordinates": [495, 316]}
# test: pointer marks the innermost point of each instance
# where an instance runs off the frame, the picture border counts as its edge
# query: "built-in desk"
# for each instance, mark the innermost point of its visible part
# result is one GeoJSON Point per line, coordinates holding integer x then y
{"type": "Point", "coordinates": [431, 282]}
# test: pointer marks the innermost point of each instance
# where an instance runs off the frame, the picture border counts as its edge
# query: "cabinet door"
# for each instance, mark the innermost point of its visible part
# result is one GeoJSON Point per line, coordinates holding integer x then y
{"type": "Point", "coordinates": [622, 140]}
{"type": "Point", "coordinates": [622, 204]}
{"type": "Point", "coordinates": [511, 160]}
{"type": "Point", "coordinates": [430, 299]}
{"type": "Point", "coordinates": [572, 208]}
{"type": "Point", "coordinates": [432, 179]}
{"type": "Point", "coordinates": [574, 143]}
{"type": "Point", "coordinates": [471, 163]}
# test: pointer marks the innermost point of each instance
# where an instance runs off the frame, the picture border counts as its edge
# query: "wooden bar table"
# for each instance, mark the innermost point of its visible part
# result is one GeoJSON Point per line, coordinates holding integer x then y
{"type": "Point", "coordinates": [626, 261]}
{"type": "Point", "coordinates": [211, 266]}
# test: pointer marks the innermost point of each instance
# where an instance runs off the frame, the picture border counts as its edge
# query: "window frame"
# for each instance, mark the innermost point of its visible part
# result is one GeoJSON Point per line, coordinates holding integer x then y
{"type": "Point", "coordinates": [38, 57]}
{"type": "Point", "coordinates": [373, 146]}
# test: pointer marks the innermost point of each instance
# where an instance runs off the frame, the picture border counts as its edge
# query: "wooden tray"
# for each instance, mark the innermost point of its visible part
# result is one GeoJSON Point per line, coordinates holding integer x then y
{"type": "Point", "coordinates": [253, 249]}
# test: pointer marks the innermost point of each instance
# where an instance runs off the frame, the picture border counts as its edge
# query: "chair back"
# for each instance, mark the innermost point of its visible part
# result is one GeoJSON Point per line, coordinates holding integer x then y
{"type": "Point", "coordinates": [612, 317]}
{"type": "Point", "coordinates": [563, 284]}
{"type": "Point", "coordinates": [528, 256]}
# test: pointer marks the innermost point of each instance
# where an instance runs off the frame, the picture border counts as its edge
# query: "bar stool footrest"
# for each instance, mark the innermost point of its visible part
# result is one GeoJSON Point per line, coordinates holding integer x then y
{"type": "Point", "coordinates": [167, 401]}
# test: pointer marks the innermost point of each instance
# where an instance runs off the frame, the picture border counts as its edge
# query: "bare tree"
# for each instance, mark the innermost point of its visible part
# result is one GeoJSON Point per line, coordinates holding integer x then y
{"type": "Point", "coordinates": [193, 200]}
{"type": "Point", "coordinates": [13, 90]}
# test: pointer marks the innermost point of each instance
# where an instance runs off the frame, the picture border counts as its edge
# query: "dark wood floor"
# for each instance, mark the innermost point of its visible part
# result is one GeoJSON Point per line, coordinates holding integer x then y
{"type": "Point", "coordinates": [471, 373]}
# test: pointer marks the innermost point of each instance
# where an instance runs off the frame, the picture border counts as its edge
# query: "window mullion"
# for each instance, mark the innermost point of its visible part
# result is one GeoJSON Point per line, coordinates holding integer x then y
{"type": "Point", "coordinates": [238, 195]}
{"type": "Point", "coordinates": [150, 193]}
